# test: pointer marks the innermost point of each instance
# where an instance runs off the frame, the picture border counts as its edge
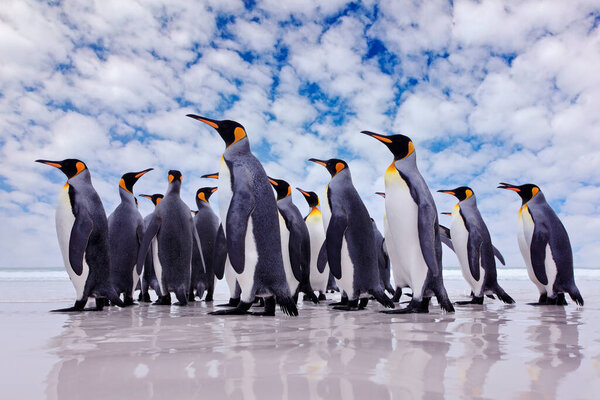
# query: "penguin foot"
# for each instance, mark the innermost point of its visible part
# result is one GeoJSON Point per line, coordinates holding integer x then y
{"type": "Point", "coordinates": [362, 303]}
{"type": "Point", "coordinates": [414, 307]}
{"type": "Point", "coordinates": [163, 301]}
{"type": "Point", "coordinates": [352, 305]}
{"type": "Point", "coordinates": [322, 297]}
{"type": "Point", "coordinates": [473, 301]}
{"type": "Point", "coordinates": [77, 307]}
{"type": "Point", "coordinates": [259, 302]}
{"type": "Point", "coordinates": [145, 298]}
{"type": "Point", "coordinates": [269, 308]}
{"type": "Point", "coordinates": [397, 295]}
{"type": "Point", "coordinates": [490, 296]}
{"type": "Point", "coordinates": [560, 300]}
{"type": "Point", "coordinates": [342, 302]}
{"type": "Point", "coordinates": [209, 297]}
{"type": "Point", "coordinates": [99, 305]}
{"type": "Point", "coordinates": [191, 297]}
{"type": "Point", "coordinates": [232, 303]}
{"type": "Point", "coordinates": [129, 302]}
{"type": "Point", "coordinates": [241, 309]}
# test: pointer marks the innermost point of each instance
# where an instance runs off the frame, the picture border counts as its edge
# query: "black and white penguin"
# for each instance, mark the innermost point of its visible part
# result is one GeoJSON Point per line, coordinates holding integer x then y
{"type": "Point", "coordinates": [319, 277]}
{"type": "Point", "coordinates": [413, 227]}
{"type": "Point", "coordinates": [295, 241]}
{"type": "Point", "coordinates": [383, 259]}
{"type": "Point", "coordinates": [472, 244]}
{"type": "Point", "coordinates": [171, 232]}
{"type": "Point", "coordinates": [349, 240]}
{"type": "Point", "coordinates": [149, 276]}
{"type": "Point", "coordinates": [545, 247]}
{"type": "Point", "coordinates": [251, 224]}
{"type": "Point", "coordinates": [125, 233]}
{"type": "Point", "coordinates": [207, 224]}
{"type": "Point", "coordinates": [82, 230]}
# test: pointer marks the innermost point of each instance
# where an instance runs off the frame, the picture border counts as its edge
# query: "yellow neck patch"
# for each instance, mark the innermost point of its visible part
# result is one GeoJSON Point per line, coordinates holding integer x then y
{"type": "Point", "coordinates": [158, 200]}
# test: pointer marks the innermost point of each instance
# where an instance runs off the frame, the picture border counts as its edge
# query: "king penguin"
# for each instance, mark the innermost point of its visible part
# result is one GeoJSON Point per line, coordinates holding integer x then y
{"type": "Point", "coordinates": [319, 276]}
{"type": "Point", "coordinates": [82, 230]}
{"type": "Point", "coordinates": [473, 246]}
{"type": "Point", "coordinates": [251, 224]}
{"type": "Point", "coordinates": [349, 240]}
{"type": "Point", "coordinates": [172, 233]}
{"type": "Point", "coordinates": [545, 246]}
{"type": "Point", "coordinates": [125, 233]}
{"type": "Point", "coordinates": [207, 224]}
{"type": "Point", "coordinates": [383, 259]}
{"type": "Point", "coordinates": [149, 276]}
{"type": "Point", "coordinates": [413, 226]}
{"type": "Point", "coordinates": [295, 241]}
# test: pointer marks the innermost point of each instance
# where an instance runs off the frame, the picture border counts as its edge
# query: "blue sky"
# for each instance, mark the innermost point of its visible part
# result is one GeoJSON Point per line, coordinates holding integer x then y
{"type": "Point", "coordinates": [489, 91]}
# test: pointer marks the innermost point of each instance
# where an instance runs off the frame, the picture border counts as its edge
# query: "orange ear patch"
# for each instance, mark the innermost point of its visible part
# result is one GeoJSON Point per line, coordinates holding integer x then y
{"type": "Point", "coordinates": [80, 166]}
{"type": "Point", "coordinates": [202, 196]}
{"type": "Point", "coordinates": [122, 184]}
{"type": "Point", "coordinates": [534, 191]}
{"type": "Point", "coordinates": [289, 190]}
{"type": "Point", "coordinates": [171, 177]}
{"type": "Point", "coordinates": [239, 134]}
{"type": "Point", "coordinates": [339, 166]}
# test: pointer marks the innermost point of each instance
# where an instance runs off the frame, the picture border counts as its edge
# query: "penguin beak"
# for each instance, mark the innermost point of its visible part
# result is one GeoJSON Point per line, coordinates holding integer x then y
{"type": "Point", "coordinates": [303, 192]}
{"type": "Point", "coordinates": [316, 160]}
{"type": "Point", "coordinates": [211, 176]}
{"type": "Point", "coordinates": [212, 190]}
{"type": "Point", "coordinates": [272, 181]}
{"type": "Point", "coordinates": [446, 213]}
{"type": "Point", "coordinates": [212, 122]}
{"type": "Point", "coordinates": [146, 196]}
{"type": "Point", "coordinates": [381, 138]}
{"type": "Point", "coordinates": [54, 164]}
{"type": "Point", "coordinates": [382, 194]}
{"type": "Point", "coordinates": [142, 173]}
{"type": "Point", "coordinates": [447, 192]}
{"type": "Point", "coordinates": [508, 186]}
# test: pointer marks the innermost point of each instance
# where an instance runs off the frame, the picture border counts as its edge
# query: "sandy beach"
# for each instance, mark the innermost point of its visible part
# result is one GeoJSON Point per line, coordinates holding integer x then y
{"type": "Point", "coordinates": [155, 352]}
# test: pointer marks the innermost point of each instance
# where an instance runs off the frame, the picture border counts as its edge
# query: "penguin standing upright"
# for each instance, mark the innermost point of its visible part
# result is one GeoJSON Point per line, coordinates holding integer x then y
{"type": "Point", "coordinates": [207, 224]}
{"type": "Point", "coordinates": [82, 230]}
{"type": "Point", "coordinates": [295, 241]}
{"type": "Point", "coordinates": [171, 232]}
{"type": "Point", "coordinates": [413, 227]}
{"type": "Point", "coordinates": [251, 224]}
{"type": "Point", "coordinates": [314, 223]}
{"type": "Point", "coordinates": [349, 240]}
{"type": "Point", "coordinates": [545, 246]}
{"type": "Point", "coordinates": [473, 247]}
{"type": "Point", "coordinates": [125, 233]}
{"type": "Point", "coordinates": [149, 276]}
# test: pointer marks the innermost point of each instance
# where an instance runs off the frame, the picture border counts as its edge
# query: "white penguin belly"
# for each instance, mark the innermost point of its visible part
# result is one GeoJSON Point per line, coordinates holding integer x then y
{"type": "Point", "coordinates": [246, 278]}
{"type": "Point", "coordinates": [285, 253]}
{"type": "Point", "coordinates": [403, 216]}
{"type": "Point", "coordinates": [400, 279]}
{"type": "Point", "coordinates": [225, 194]}
{"type": "Point", "coordinates": [135, 277]}
{"type": "Point", "coordinates": [230, 278]}
{"type": "Point", "coordinates": [525, 234]}
{"type": "Point", "coordinates": [314, 223]}
{"type": "Point", "coordinates": [157, 266]}
{"type": "Point", "coordinates": [346, 283]}
{"type": "Point", "coordinates": [64, 224]}
{"type": "Point", "coordinates": [460, 240]}
{"type": "Point", "coordinates": [551, 271]}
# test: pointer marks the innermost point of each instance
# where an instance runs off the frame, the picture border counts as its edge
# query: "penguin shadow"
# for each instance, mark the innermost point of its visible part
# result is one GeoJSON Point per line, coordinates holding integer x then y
{"type": "Point", "coordinates": [555, 341]}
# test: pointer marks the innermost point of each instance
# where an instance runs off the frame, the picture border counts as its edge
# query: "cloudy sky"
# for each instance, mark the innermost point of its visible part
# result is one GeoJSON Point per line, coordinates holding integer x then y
{"type": "Point", "coordinates": [489, 91]}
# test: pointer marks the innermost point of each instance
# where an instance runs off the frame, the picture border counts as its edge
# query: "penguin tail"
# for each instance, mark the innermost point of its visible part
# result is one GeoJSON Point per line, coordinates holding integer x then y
{"type": "Point", "coordinates": [576, 296]}
{"type": "Point", "coordinates": [502, 295]}
{"type": "Point", "coordinates": [288, 306]}
{"type": "Point", "coordinates": [380, 296]}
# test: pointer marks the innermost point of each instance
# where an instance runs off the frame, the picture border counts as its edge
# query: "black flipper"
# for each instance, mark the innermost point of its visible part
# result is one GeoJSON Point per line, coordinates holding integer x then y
{"type": "Point", "coordinates": [539, 241]}
{"type": "Point", "coordinates": [334, 239]}
{"type": "Point", "coordinates": [474, 255]}
{"type": "Point", "coordinates": [80, 233]}
{"type": "Point", "coordinates": [295, 249]}
{"type": "Point", "coordinates": [220, 253]}
{"type": "Point", "coordinates": [322, 258]}
{"type": "Point", "coordinates": [151, 232]}
{"type": "Point", "coordinates": [499, 256]}
{"type": "Point", "coordinates": [140, 237]}
{"type": "Point", "coordinates": [240, 208]}
{"type": "Point", "coordinates": [445, 237]}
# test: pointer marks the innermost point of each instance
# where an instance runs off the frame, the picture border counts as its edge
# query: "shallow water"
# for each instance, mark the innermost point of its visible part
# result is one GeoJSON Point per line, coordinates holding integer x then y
{"type": "Point", "coordinates": [152, 352]}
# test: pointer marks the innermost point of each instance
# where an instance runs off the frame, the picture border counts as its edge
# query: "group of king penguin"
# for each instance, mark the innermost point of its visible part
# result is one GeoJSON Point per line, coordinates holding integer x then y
{"type": "Point", "coordinates": [269, 253]}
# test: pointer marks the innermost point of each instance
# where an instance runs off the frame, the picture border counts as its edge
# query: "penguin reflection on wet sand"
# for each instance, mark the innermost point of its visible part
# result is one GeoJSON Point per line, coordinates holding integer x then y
{"type": "Point", "coordinates": [413, 224]}
{"type": "Point", "coordinates": [172, 233]}
{"type": "Point", "coordinates": [545, 246]}
{"type": "Point", "coordinates": [473, 247]}
{"type": "Point", "coordinates": [149, 276]}
{"type": "Point", "coordinates": [251, 227]}
{"type": "Point", "coordinates": [349, 240]}
{"type": "Point", "coordinates": [82, 230]}
{"type": "Point", "coordinates": [295, 241]}
{"type": "Point", "coordinates": [125, 233]}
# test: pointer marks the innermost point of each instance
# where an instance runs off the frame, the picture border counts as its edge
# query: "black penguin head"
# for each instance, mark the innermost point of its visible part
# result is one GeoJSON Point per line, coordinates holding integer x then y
{"type": "Point", "coordinates": [214, 175]}
{"type": "Point", "coordinates": [526, 191]}
{"type": "Point", "coordinates": [230, 131]}
{"type": "Point", "coordinates": [333, 165]}
{"type": "Point", "coordinates": [282, 188]}
{"type": "Point", "coordinates": [129, 179]}
{"type": "Point", "coordinates": [461, 193]}
{"type": "Point", "coordinates": [311, 197]}
{"type": "Point", "coordinates": [175, 176]}
{"type": "Point", "coordinates": [70, 167]}
{"type": "Point", "coordinates": [204, 193]}
{"type": "Point", "coordinates": [382, 194]}
{"type": "Point", "coordinates": [154, 198]}
{"type": "Point", "coordinates": [401, 146]}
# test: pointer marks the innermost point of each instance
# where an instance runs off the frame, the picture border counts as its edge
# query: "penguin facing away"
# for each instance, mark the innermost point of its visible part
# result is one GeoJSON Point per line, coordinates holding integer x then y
{"type": "Point", "coordinates": [207, 224]}
{"type": "Point", "coordinates": [251, 224]}
{"type": "Point", "coordinates": [82, 230]}
{"type": "Point", "coordinates": [125, 233]}
{"type": "Point", "coordinates": [319, 277]}
{"type": "Point", "coordinates": [473, 246]}
{"type": "Point", "coordinates": [413, 224]}
{"type": "Point", "coordinates": [295, 240]}
{"type": "Point", "coordinates": [148, 275]}
{"type": "Point", "coordinates": [545, 247]}
{"type": "Point", "coordinates": [349, 240]}
{"type": "Point", "coordinates": [172, 233]}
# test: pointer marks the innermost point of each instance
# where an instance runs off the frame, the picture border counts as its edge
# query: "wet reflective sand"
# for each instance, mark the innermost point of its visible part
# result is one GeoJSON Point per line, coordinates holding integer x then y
{"type": "Point", "coordinates": [155, 352]}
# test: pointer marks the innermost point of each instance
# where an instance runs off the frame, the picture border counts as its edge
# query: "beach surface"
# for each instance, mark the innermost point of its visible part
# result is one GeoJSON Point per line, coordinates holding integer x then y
{"type": "Point", "coordinates": [493, 351]}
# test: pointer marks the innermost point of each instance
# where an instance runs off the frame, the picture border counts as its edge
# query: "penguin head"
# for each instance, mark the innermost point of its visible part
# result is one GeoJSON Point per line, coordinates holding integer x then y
{"type": "Point", "coordinates": [129, 179]}
{"type": "Point", "coordinates": [333, 165]}
{"type": "Point", "coordinates": [70, 167]}
{"type": "Point", "coordinates": [154, 198]}
{"type": "Point", "coordinates": [175, 176]}
{"type": "Point", "coordinates": [231, 132]}
{"type": "Point", "coordinates": [204, 193]}
{"type": "Point", "coordinates": [214, 175]}
{"type": "Point", "coordinates": [282, 188]}
{"type": "Point", "coordinates": [311, 197]}
{"type": "Point", "coordinates": [461, 193]}
{"type": "Point", "coordinates": [382, 194]}
{"type": "Point", "coordinates": [526, 191]}
{"type": "Point", "coordinates": [401, 146]}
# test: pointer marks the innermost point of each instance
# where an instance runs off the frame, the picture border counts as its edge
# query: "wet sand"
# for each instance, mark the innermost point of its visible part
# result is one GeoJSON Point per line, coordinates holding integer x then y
{"type": "Point", "coordinates": [156, 352]}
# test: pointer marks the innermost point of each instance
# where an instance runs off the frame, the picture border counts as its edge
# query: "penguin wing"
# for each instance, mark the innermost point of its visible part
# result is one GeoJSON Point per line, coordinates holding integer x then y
{"type": "Point", "coordinates": [499, 255]}
{"type": "Point", "coordinates": [149, 234]}
{"type": "Point", "coordinates": [220, 253]}
{"type": "Point", "coordinates": [539, 241]}
{"type": "Point", "coordinates": [322, 258]}
{"type": "Point", "coordinates": [334, 239]}
{"type": "Point", "coordinates": [445, 237]}
{"type": "Point", "coordinates": [429, 235]}
{"type": "Point", "coordinates": [140, 237]}
{"type": "Point", "coordinates": [241, 206]}
{"type": "Point", "coordinates": [384, 259]}
{"type": "Point", "coordinates": [295, 248]}
{"type": "Point", "coordinates": [198, 244]}
{"type": "Point", "coordinates": [80, 234]}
